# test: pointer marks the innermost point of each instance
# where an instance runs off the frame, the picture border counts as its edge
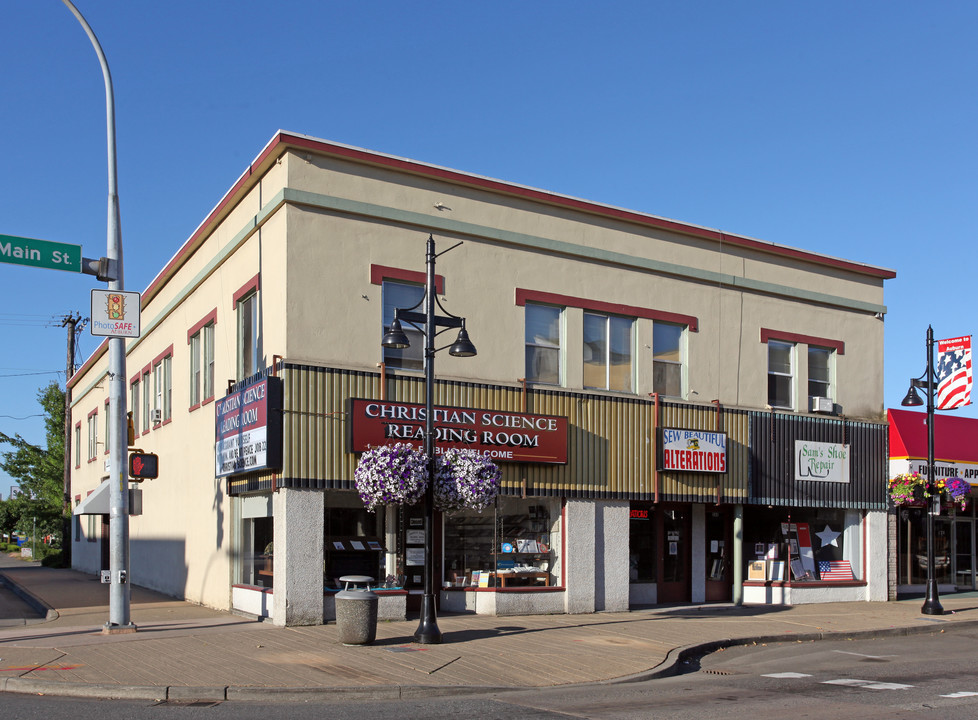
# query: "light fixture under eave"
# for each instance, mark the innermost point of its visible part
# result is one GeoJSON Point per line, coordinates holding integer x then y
{"type": "Point", "coordinates": [395, 338]}
{"type": "Point", "coordinates": [912, 399]}
{"type": "Point", "coordinates": [463, 347]}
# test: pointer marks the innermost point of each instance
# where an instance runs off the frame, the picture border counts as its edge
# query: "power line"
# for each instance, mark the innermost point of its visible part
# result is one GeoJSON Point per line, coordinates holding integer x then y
{"type": "Point", "coordinates": [45, 372]}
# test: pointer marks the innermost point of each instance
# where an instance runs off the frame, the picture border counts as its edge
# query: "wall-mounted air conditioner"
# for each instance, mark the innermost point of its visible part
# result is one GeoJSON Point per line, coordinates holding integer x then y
{"type": "Point", "coordinates": [822, 405]}
{"type": "Point", "coordinates": [157, 417]}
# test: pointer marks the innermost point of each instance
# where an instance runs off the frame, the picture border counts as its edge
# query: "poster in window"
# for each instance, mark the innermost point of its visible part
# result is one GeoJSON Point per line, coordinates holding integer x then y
{"type": "Point", "coordinates": [756, 570]}
{"type": "Point", "coordinates": [415, 537]}
{"type": "Point", "coordinates": [414, 556]}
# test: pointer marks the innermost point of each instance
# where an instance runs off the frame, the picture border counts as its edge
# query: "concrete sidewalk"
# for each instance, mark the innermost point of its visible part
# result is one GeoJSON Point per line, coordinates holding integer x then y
{"type": "Point", "coordinates": [183, 651]}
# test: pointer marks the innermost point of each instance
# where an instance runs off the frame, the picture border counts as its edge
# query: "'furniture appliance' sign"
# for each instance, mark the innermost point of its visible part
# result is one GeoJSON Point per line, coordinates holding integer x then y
{"type": "Point", "coordinates": [503, 436]}
{"type": "Point", "coordinates": [249, 428]}
{"type": "Point", "coordinates": [693, 451]}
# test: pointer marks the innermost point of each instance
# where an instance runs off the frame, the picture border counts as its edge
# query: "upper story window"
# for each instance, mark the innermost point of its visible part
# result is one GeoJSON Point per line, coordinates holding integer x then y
{"type": "Point", "coordinates": [78, 447]}
{"type": "Point", "coordinates": [819, 372]}
{"type": "Point", "coordinates": [668, 358]}
{"type": "Point", "coordinates": [201, 340]}
{"type": "Point", "coordinates": [786, 368]}
{"type": "Point", "coordinates": [162, 389]}
{"type": "Point", "coordinates": [543, 343]}
{"type": "Point", "coordinates": [145, 404]}
{"type": "Point", "coordinates": [105, 443]}
{"type": "Point", "coordinates": [608, 352]}
{"type": "Point", "coordinates": [780, 374]}
{"type": "Point", "coordinates": [248, 356]}
{"type": "Point", "coordinates": [134, 406]}
{"type": "Point", "coordinates": [403, 295]}
{"type": "Point", "coordinates": [92, 436]}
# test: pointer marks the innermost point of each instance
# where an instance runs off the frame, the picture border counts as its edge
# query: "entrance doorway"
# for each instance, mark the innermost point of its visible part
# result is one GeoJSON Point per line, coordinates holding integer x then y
{"type": "Point", "coordinates": [964, 554]}
{"type": "Point", "coordinates": [719, 548]}
{"type": "Point", "coordinates": [674, 523]}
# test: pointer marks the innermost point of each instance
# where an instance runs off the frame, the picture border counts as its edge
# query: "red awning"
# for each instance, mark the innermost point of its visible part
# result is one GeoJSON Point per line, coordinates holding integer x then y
{"type": "Point", "coordinates": [955, 438]}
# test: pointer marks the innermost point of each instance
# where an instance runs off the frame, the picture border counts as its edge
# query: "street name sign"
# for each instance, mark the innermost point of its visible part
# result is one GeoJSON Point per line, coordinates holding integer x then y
{"type": "Point", "coordinates": [40, 253]}
{"type": "Point", "coordinates": [115, 313]}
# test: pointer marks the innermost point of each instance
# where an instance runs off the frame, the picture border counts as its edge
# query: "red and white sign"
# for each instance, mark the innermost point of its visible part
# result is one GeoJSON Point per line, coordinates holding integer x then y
{"type": "Point", "coordinates": [503, 436]}
{"type": "Point", "coordinates": [692, 451]}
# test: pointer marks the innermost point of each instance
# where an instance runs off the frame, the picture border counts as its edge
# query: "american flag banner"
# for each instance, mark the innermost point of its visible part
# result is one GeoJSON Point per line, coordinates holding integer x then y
{"type": "Point", "coordinates": [953, 373]}
{"type": "Point", "coordinates": [835, 570]}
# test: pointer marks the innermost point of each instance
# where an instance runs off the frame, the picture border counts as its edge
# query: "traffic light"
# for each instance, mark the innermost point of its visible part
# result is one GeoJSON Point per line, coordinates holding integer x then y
{"type": "Point", "coordinates": [143, 466]}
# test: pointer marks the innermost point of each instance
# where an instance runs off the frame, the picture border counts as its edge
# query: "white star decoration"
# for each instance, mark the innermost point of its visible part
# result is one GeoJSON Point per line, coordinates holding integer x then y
{"type": "Point", "coordinates": [828, 537]}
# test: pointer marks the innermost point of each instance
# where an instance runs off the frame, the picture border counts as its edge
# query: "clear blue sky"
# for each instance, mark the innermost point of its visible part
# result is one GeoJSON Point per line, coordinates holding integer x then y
{"type": "Point", "coordinates": [843, 128]}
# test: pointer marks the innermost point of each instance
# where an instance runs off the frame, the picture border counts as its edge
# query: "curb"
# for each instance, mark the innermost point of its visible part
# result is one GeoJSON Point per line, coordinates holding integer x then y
{"type": "Point", "coordinates": [47, 612]}
{"type": "Point", "coordinates": [671, 666]}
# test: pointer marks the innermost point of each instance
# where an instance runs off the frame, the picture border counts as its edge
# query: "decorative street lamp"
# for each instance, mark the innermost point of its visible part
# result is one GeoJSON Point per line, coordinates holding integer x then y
{"type": "Point", "coordinates": [395, 338]}
{"type": "Point", "coordinates": [927, 382]}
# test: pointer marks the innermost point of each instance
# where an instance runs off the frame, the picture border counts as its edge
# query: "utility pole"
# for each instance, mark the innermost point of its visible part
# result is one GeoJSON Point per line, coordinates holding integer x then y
{"type": "Point", "coordinates": [74, 323]}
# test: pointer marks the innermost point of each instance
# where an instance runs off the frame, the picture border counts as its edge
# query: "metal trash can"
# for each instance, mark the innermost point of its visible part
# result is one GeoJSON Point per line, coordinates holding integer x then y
{"type": "Point", "coordinates": [356, 611]}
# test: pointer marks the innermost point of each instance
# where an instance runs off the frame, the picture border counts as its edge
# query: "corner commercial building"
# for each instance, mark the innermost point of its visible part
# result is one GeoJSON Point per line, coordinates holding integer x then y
{"type": "Point", "coordinates": [663, 400]}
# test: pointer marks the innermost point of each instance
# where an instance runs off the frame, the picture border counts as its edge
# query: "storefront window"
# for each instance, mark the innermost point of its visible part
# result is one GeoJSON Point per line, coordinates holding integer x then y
{"type": "Point", "coordinates": [353, 540]}
{"type": "Point", "coordinates": [912, 547]}
{"type": "Point", "coordinates": [641, 543]}
{"type": "Point", "coordinates": [255, 540]}
{"type": "Point", "coordinates": [803, 544]}
{"type": "Point", "coordinates": [514, 544]}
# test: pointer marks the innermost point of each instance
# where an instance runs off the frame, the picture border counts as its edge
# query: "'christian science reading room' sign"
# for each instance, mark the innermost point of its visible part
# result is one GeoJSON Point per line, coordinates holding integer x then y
{"type": "Point", "coordinates": [693, 451]}
{"type": "Point", "coordinates": [504, 436]}
{"type": "Point", "coordinates": [249, 428]}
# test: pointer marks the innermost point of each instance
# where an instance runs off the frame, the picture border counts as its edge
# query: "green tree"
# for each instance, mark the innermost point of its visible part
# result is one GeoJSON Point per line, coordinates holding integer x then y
{"type": "Point", "coordinates": [39, 471]}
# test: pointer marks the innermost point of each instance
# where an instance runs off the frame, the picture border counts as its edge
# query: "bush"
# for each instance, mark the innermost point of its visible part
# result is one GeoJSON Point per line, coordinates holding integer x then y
{"type": "Point", "coordinates": [51, 558]}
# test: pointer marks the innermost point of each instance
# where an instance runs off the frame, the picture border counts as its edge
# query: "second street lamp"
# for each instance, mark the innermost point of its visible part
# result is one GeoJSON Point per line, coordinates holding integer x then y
{"type": "Point", "coordinates": [395, 338]}
{"type": "Point", "coordinates": [932, 603]}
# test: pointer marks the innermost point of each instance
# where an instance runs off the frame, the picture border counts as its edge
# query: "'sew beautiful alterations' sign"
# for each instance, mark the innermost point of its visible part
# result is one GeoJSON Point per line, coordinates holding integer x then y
{"type": "Point", "coordinates": [692, 451]}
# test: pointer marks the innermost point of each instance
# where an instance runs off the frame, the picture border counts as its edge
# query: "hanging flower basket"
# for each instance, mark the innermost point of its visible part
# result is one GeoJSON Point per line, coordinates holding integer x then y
{"type": "Point", "coordinates": [909, 489]}
{"type": "Point", "coordinates": [913, 490]}
{"type": "Point", "coordinates": [465, 480]}
{"type": "Point", "coordinates": [391, 475]}
{"type": "Point", "coordinates": [957, 491]}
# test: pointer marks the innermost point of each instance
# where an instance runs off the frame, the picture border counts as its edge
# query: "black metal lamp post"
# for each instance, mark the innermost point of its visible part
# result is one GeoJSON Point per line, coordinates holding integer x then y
{"type": "Point", "coordinates": [427, 323]}
{"type": "Point", "coordinates": [932, 603]}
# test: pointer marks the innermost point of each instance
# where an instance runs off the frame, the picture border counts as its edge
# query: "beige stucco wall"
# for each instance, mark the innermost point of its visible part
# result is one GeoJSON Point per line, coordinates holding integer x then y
{"type": "Point", "coordinates": [727, 360]}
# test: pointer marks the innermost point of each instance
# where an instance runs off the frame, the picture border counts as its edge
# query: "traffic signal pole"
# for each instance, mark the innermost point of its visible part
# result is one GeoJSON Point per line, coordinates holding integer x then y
{"type": "Point", "coordinates": [119, 595]}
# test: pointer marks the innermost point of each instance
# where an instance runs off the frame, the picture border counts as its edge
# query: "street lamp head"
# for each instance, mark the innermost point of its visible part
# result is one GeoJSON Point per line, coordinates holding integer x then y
{"type": "Point", "coordinates": [395, 337]}
{"type": "Point", "coordinates": [463, 347]}
{"type": "Point", "coordinates": [912, 399]}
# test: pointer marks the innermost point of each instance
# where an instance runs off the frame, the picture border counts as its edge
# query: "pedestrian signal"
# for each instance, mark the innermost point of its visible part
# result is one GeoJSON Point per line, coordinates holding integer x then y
{"type": "Point", "coordinates": [143, 466]}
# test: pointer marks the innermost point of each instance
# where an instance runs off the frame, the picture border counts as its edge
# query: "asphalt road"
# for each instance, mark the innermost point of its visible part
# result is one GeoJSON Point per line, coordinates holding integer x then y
{"type": "Point", "coordinates": [902, 678]}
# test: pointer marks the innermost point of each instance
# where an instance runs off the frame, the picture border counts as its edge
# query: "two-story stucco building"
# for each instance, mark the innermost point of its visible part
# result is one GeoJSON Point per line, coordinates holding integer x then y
{"type": "Point", "coordinates": [662, 399]}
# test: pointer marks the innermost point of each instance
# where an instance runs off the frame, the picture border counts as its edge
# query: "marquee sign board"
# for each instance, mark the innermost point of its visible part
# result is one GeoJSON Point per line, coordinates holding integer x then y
{"type": "Point", "coordinates": [249, 428]}
{"type": "Point", "coordinates": [502, 436]}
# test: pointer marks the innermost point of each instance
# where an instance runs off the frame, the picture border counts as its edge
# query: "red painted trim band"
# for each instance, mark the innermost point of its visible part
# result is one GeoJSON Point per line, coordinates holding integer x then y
{"type": "Point", "coordinates": [524, 296]}
{"type": "Point", "coordinates": [166, 353]}
{"type": "Point", "coordinates": [253, 284]}
{"type": "Point", "coordinates": [378, 273]}
{"type": "Point", "coordinates": [838, 345]}
{"type": "Point", "coordinates": [211, 317]}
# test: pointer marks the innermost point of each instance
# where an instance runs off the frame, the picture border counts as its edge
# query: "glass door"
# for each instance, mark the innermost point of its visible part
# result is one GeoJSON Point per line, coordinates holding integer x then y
{"type": "Point", "coordinates": [964, 578]}
{"type": "Point", "coordinates": [674, 578]}
{"type": "Point", "coordinates": [719, 530]}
